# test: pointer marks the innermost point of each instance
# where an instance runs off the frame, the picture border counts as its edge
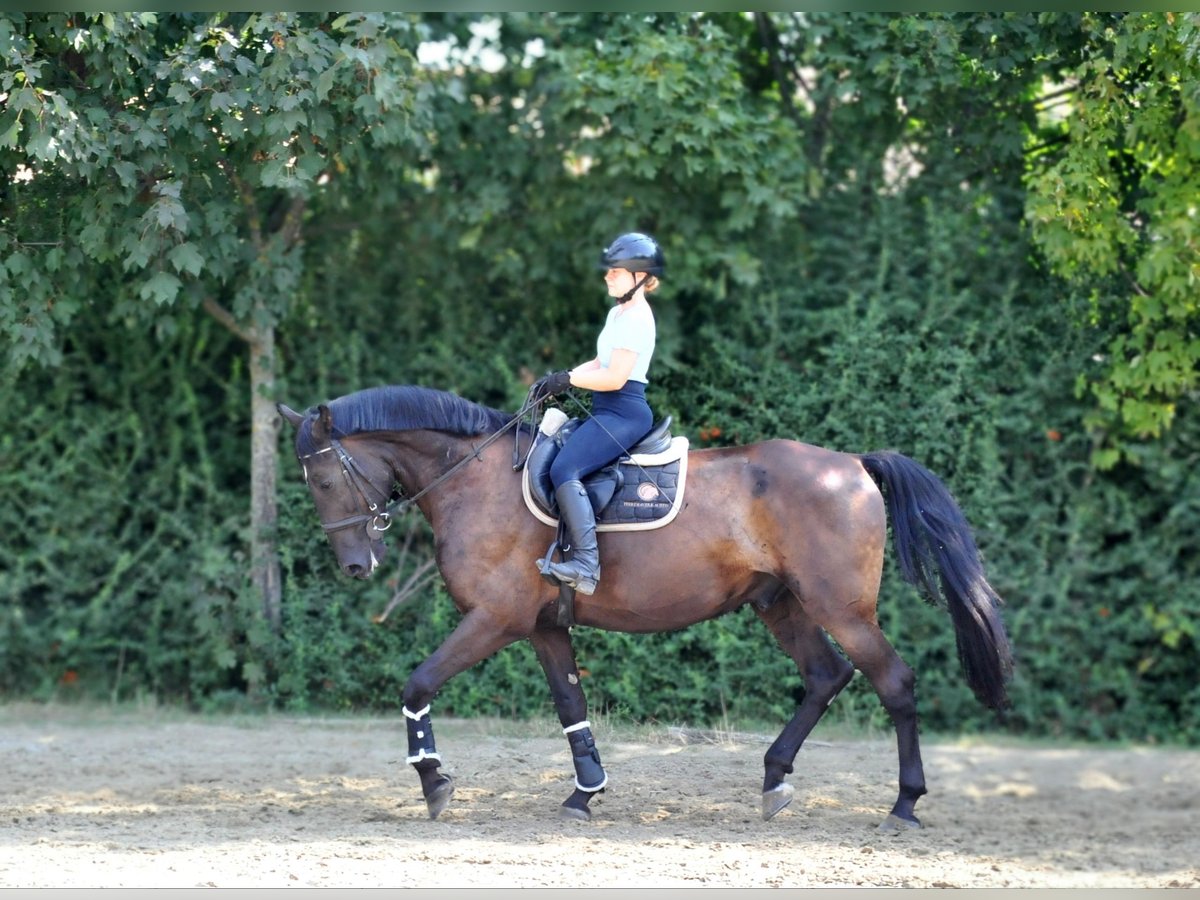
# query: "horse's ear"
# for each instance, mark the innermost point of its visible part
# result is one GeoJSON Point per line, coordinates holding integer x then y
{"type": "Point", "coordinates": [290, 414]}
{"type": "Point", "coordinates": [322, 429]}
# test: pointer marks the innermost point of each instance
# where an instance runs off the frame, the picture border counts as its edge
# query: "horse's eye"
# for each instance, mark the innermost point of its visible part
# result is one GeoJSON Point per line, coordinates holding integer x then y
{"type": "Point", "coordinates": [326, 484]}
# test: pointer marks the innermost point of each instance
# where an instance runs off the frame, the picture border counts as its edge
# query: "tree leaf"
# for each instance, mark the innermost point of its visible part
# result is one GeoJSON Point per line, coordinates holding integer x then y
{"type": "Point", "coordinates": [186, 258]}
{"type": "Point", "coordinates": [162, 288]}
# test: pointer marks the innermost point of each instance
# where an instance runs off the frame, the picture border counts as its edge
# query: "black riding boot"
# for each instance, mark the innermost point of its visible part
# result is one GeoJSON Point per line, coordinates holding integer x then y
{"type": "Point", "coordinates": [582, 570]}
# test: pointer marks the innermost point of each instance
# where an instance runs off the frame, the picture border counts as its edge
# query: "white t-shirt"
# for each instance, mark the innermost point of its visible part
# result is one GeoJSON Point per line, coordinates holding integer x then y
{"type": "Point", "coordinates": [634, 330]}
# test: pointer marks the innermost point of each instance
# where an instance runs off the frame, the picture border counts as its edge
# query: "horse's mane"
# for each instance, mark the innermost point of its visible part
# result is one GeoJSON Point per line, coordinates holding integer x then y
{"type": "Point", "coordinates": [403, 408]}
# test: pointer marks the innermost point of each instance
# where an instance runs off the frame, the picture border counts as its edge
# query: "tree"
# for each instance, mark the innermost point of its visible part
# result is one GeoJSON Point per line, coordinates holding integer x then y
{"type": "Point", "coordinates": [168, 162]}
{"type": "Point", "coordinates": [1114, 209]}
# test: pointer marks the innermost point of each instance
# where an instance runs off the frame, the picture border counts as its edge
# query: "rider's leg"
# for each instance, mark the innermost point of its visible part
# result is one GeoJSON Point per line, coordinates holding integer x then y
{"type": "Point", "coordinates": [619, 420]}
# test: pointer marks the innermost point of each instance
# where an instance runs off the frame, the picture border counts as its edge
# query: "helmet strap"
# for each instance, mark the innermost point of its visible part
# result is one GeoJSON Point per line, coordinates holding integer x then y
{"type": "Point", "coordinates": [628, 295]}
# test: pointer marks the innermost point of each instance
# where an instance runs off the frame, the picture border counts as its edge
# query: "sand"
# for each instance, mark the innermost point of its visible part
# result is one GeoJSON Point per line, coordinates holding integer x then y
{"type": "Point", "coordinates": [108, 798]}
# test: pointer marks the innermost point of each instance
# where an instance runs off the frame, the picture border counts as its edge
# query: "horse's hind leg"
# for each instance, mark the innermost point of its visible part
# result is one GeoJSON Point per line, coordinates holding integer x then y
{"type": "Point", "coordinates": [557, 657]}
{"type": "Point", "coordinates": [893, 681]}
{"type": "Point", "coordinates": [825, 673]}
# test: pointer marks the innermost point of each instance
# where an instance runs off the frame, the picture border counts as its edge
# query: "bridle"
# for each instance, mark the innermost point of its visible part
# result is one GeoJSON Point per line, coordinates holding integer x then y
{"type": "Point", "coordinates": [357, 479]}
{"type": "Point", "coordinates": [378, 520]}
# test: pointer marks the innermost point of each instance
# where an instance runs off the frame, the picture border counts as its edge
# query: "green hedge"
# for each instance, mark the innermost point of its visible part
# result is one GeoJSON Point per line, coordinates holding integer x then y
{"type": "Point", "coordinates": [123, 491]}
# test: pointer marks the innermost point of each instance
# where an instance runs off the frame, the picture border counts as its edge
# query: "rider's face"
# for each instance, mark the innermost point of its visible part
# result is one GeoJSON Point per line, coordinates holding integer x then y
{"type": "Point", "coordinates": [619, 281]}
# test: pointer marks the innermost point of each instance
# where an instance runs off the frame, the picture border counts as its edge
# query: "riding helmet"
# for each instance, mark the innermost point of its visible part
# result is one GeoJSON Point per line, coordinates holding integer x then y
{"type": "Point", "coordinates": [634, 251]}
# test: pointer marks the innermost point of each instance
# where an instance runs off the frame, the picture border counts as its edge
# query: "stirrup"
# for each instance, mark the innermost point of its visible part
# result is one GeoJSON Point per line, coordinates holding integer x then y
{"type": "Point", "coordinates": [565, 615]}
{"type": "Point", "coordinates": [583, 585]}
{"type": "Point", "coordinates": [546, 561]}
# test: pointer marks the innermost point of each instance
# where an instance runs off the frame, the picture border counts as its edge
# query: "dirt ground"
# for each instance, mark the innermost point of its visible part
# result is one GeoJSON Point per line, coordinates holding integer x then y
{"type": "Point", "coordinates": [153, 799]}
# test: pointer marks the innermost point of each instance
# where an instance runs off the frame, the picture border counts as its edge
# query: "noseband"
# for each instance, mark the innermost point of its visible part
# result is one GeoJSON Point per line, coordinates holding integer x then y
{"type": "Point", "coordinates": [378, 520]}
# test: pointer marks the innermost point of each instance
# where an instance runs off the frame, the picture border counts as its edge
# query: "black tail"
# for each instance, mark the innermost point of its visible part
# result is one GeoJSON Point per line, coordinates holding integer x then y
{"type": "Point", "coordinates": [936, 552]}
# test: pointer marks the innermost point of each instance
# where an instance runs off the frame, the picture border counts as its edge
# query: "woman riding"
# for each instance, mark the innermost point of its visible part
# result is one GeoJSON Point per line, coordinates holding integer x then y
{"type": "Point", "coordinates": [620, 417]}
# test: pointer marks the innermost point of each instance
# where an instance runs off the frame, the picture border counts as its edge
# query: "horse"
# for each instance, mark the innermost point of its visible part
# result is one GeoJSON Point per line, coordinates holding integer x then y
{"type": "Point", "coordinates": [796, 531]}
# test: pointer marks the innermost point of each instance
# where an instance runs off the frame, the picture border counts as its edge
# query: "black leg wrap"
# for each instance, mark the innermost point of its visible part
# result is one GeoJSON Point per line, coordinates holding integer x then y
{"type": "Point", "coordinates": [589, 773]}
{"type": "Point", "coordinates": [420, 737]}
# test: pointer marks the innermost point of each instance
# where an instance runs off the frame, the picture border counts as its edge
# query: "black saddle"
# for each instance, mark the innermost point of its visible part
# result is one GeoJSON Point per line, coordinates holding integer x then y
{"type": "Point", "coordinates": [602, 485]}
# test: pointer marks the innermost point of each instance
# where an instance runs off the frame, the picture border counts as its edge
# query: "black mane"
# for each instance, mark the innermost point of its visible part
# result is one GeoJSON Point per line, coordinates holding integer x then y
{"type": "Point", "coordinates": [403, 408]}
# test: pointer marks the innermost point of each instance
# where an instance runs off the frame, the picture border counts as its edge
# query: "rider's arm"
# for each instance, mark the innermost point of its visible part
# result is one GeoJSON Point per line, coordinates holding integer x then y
{"type": "Point", "coordinates": [594, 378]}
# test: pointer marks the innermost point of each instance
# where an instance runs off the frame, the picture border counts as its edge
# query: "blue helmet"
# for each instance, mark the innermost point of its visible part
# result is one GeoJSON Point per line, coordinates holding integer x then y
{"type": "Point", "coordinates": [634, 251]}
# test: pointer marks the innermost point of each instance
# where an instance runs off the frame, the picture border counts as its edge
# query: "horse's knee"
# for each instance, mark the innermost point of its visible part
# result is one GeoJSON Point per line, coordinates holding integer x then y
{"type": "Point", "coordinates": [567, 695]}
{"type": "Point", "coordinates": [418, 691]}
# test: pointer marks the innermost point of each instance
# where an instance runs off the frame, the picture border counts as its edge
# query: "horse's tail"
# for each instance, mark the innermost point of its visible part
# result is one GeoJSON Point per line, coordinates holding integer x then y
{"type": "Point", "coordinates": [936, 552]}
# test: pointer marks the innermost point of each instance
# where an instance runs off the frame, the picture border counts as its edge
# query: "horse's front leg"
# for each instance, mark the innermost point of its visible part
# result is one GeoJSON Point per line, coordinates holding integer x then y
{"type": "Point", "coordinates": [478, 636]}
{"type": "Point", "coordinates": [436, 787]}
{"type": "Point", "coordinates": [557, 657]}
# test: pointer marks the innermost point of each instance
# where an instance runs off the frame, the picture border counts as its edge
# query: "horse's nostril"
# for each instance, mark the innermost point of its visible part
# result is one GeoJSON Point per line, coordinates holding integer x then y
{"type": "Point", "coordinates": [354, 570]}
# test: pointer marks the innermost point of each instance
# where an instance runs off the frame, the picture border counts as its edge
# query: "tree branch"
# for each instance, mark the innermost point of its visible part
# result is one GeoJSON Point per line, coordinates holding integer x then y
{"type": "Point", "coordinates": [796, 69]}
{"type": "Point", "coordinates": [1047, 144]}
{"type": "Point", "coordinates": [770, 39]}
{"type": "Point", "coordinates": [1046, 99]}
{"type": "Point", "coordinates": [225, 317]}
{"type": "Point", "coordinates": [293, 221]}
{"type": "Point", "coordinates": [412, 587]}
{"type": "Point", "coordinates": [253, 220]}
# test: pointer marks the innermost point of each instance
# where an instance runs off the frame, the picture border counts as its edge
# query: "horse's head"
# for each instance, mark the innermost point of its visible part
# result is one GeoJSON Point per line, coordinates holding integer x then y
{"type": "Point", "coordinates": [350, 492]}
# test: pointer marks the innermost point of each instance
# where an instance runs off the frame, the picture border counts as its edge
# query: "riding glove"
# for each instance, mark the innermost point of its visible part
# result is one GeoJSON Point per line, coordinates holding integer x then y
{"type": "Point", "coordinates": [554, 383]}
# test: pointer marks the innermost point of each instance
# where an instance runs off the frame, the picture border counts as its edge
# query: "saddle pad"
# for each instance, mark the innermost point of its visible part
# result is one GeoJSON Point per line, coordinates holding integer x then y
{"type": "Point", "coordinates": [651, 497]}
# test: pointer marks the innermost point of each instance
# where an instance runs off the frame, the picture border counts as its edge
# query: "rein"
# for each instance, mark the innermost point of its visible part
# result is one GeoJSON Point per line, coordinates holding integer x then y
{"type": "Point", "coordinates": [395, 505]}
{"type": "Point", "coordinates": [631, 461]}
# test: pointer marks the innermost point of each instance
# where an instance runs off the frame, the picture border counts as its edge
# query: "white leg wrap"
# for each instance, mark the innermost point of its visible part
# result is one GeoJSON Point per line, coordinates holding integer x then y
{"type": "Point", "coordinates": [584, 724]}
{"type": "Point", "coordinates": [593, 788]}
{"type": "Point", "coordinates": [423, 755]}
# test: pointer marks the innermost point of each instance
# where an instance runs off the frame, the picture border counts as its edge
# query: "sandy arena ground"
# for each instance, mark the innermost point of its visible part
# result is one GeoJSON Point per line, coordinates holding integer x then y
{"type": "Point", "coordinates": [106, 799]}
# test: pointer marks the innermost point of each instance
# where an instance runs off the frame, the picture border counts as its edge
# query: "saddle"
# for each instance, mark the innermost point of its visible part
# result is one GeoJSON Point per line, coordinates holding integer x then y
{"type": "Point", "coordinates": [638, 491]}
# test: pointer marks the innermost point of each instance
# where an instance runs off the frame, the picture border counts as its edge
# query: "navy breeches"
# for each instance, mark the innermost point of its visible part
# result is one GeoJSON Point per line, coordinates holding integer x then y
{"type": "Point", "coordinates": [619, 420]}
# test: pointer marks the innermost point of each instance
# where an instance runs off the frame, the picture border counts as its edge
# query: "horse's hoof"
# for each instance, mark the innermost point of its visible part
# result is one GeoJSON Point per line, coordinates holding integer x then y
{"type": "Point", "coordinates": [894, 823]}
{"type": "Point", "coordinates": [574, 813]}
{"type": "Point", "coordinates": [776, 799]}
{"type": "Point", "coordinates": [439, 797]}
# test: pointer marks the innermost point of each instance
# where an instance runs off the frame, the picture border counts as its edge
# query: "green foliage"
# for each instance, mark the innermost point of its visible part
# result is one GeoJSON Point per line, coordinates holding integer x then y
{"type": "Point", "coordinates": [121, 568]}
{"type": "Point", "coordinates": [841, 198]}
{"type": "Point", "coordinates": [1115, 210]}
{"type": "Point", "coordinates": [182, 147]}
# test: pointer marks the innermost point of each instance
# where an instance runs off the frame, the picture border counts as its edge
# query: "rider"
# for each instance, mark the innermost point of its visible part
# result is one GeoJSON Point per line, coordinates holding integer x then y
{"type": "Point", "coordinates": [620, 414]}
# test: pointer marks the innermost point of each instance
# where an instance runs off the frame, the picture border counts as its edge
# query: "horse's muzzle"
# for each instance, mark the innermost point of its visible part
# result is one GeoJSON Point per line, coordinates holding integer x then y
{"type": "Point", "coordinates": [366, 568]}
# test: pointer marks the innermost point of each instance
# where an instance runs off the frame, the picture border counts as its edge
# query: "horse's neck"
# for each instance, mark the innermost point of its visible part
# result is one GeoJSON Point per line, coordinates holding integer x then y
{"type": "Point", "coordinates": [419, 458]}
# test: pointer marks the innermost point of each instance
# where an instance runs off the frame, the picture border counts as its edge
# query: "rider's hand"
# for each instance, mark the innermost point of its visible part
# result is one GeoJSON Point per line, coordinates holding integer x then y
{"type": "Point", "coordinates": [549, 385]}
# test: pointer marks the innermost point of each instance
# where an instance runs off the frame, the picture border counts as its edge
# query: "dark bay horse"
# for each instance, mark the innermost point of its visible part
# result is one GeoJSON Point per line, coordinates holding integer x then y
{"type": "Point", "coordinates": [796, 531]}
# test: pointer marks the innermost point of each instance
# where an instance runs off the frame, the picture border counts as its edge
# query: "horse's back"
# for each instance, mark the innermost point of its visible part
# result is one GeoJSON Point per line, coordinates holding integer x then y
{"type": "Point", "coordinates": [787, 476]}
{"type": "Point", "coordinates": [810, 516]}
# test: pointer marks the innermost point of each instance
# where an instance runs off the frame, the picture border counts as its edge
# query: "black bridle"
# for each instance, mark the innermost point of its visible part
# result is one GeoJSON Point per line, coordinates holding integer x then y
{"type": "Point", "coordinates": [357, 479]}
{"type": "Point", "coordinates": [394, 504]}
